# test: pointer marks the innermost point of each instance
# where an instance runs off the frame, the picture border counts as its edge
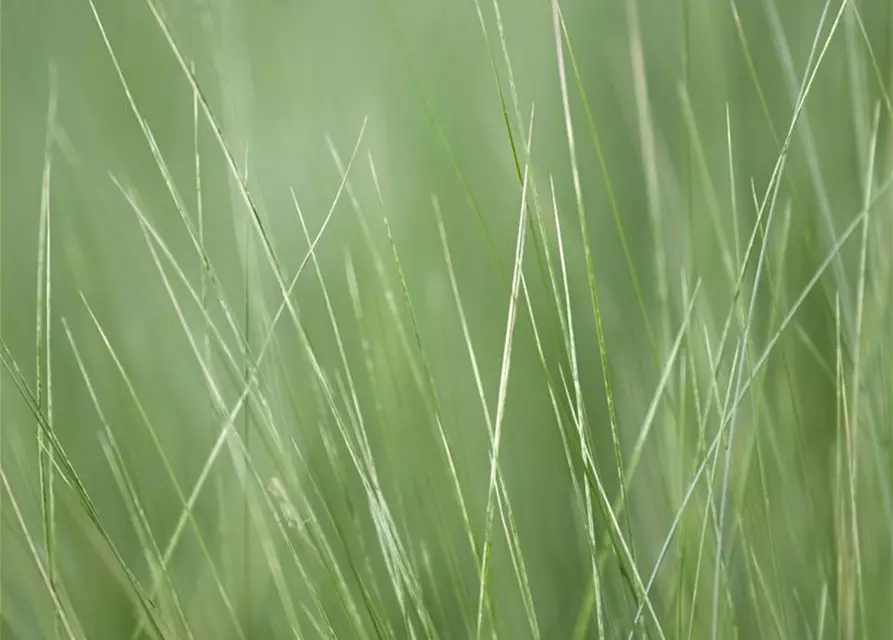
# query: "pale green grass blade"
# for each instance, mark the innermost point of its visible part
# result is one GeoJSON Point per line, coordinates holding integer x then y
{"type": "Point", "coordinates": [126, 484]}
{"type": "Point", "coordinates": [43, 337]}
{"type": "Point", "coordinates": [422, 381]}
{"type": "Point", "coordinates": [287, 291]}
{"type": "Point", "coordinates": [649, 158]}
{"type": "Point", "coordinates": [713, 206]}
{"type": "Point", "coordinates": [860, 110]}
{"type": "Point", "coordinates": [806, 131]}
{"type": "Point", "coordinates": [709, 510]}
{"type": "Point", "coordinates": [845, 598]}
{"type": "Point", "coordinates": [446, 448]}
{"type": "Point", "coordinates": [593, 289]}
{"type": "Point", "coordinates": [285, 303]}
{"type": "Point", "coordinates": [732, 191]}
{"type": "Point", "coordinates": [569, 344]}
{"type": "Point", "coordinates": [804, 92]}
{"type": "Point", "coordinates": [787, 320]}
{"type": "Point", "coordinates": [207, 277]}
{"type": "Point", "coordinates": [502, 497]}
{"type": "Point", "coordinates": [880, 84]}
{"type": "Point", "coordinates": [806, 235]}
{"type": "Point", "coordinates": [247, 576]}
{"type": "Point", "coordinates": [288, 518]}
{"type": "Point", "coordinates": [535, 218]}
{"type": "Point", "coordinates": [353, 402]}
{"type": "Point", "coordinates": [402, 570]}
{"type": "Point", "coordinates": [501, 397]}
{"type": "Point", "coordinates": [68, 474]}
{"type": "Point", "coordinates": [60, 609]}
{"type": "Point", "coordinates": [323, 548]}
{"type": "Point", "coordinates": [650, 169]}
{"type": "Point", "coordinates": [651, 410]}
{"type": "Point", "coordinates": [169, 598]}
{"type": "Point", "coordinates": [362, 458]}
{"type": "Point", "coordinates": [857, 372]}
{"type": "Point", "coordinates": [228, 432]}
{"type": "Point", "coordinates": [620, 548]}
{"type": "Point", "coordinates": [168, 469]}
{"type": "Point", "coordinates": [443, 140]}
{"type": "Point", "coordinates": [232, 166]}
{"type": "Point", "coordinates": [648, 422]}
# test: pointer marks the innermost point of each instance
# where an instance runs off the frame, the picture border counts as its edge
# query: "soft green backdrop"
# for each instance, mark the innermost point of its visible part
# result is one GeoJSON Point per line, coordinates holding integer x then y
{"type": "Point", "coordinates": [282, 76]}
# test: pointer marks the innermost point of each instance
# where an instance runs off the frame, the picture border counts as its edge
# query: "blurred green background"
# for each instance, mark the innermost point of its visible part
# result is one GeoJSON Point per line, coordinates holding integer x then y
{"type": "Point", "coordinates": [285, 77]}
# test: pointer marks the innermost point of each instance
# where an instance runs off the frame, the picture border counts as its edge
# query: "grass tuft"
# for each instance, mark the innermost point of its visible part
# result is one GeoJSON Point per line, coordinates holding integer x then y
{"type": "Point", "coordinates": [631, 381]}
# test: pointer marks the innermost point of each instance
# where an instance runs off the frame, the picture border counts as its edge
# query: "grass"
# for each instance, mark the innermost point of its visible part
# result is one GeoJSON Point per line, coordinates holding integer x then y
{"type": "Point", "coordinates": [627, 382]}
